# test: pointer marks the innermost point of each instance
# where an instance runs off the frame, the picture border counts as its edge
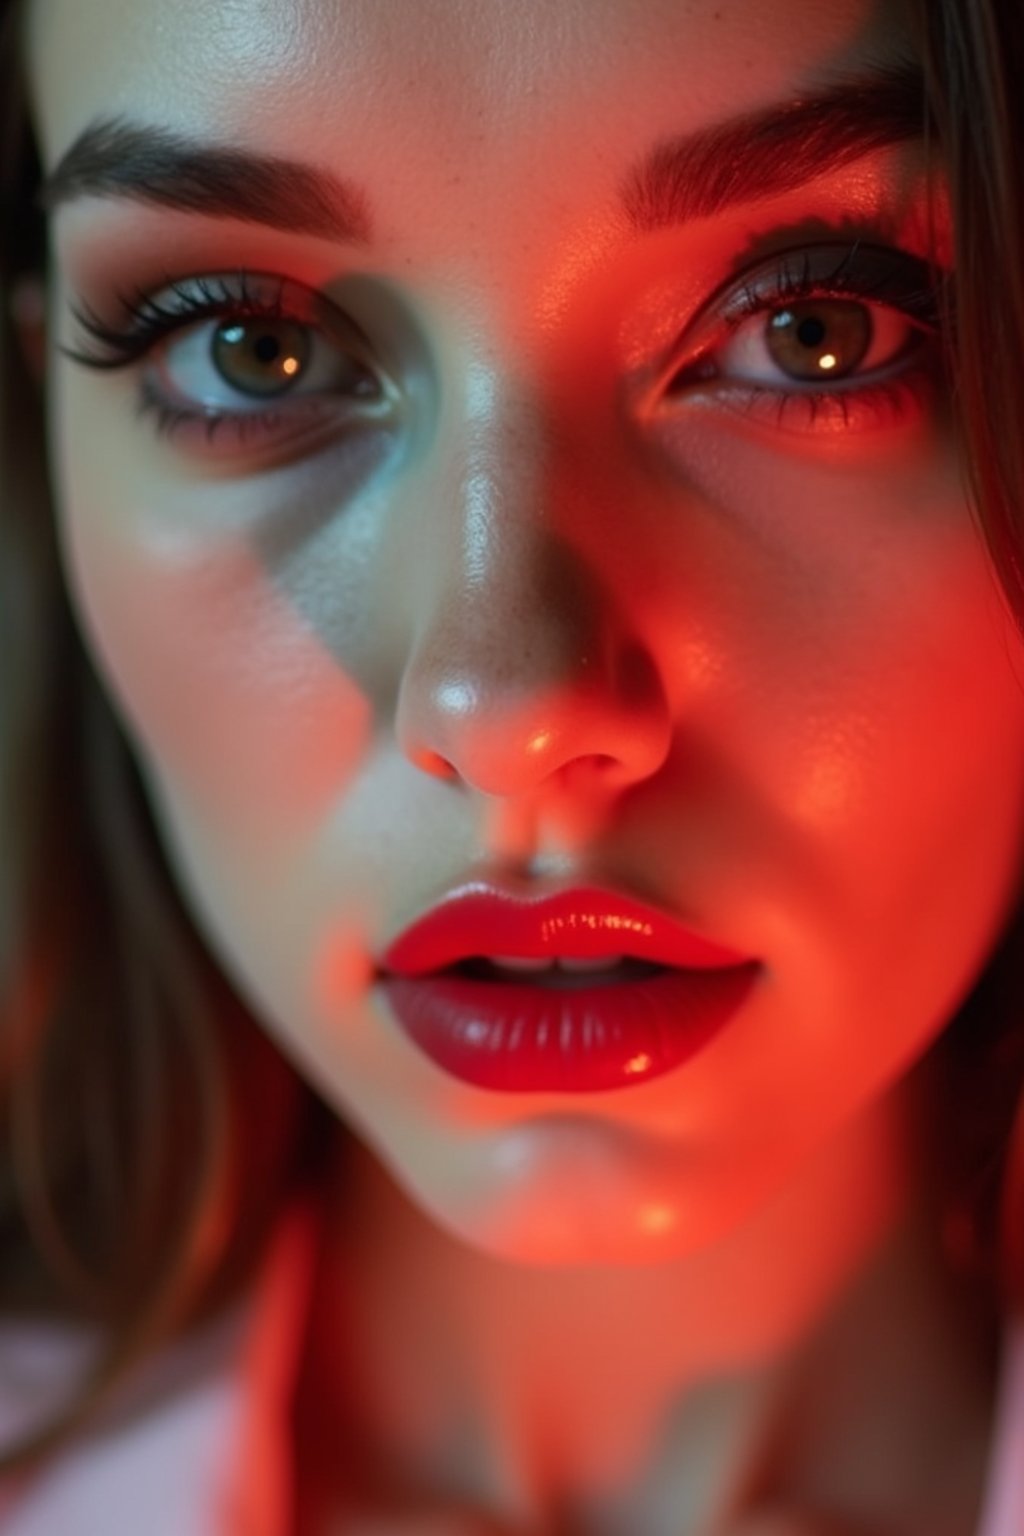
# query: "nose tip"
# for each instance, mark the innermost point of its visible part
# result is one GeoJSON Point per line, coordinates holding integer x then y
{"type": "Point", "coordinates": [506, 724]}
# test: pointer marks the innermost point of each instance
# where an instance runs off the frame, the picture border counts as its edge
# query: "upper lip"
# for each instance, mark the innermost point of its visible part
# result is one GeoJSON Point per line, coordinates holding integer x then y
{"type": "Point", "coordinates": [479, 919]}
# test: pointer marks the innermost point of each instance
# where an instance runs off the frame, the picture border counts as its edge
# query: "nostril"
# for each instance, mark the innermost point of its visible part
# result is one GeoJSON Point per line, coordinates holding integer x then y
{"type": "Point", "coordinates": [433, 763]}
{"type": "Point", "coordinates": [592, 769]}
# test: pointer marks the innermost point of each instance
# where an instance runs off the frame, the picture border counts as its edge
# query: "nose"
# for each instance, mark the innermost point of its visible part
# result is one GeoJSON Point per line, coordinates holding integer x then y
{"type": "Point", "coordinates": [525, 660]}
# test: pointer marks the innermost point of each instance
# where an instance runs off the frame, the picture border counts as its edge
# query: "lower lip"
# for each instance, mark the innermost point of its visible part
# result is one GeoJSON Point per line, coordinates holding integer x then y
{"type": "Point", "coordinates": [516, 1038]}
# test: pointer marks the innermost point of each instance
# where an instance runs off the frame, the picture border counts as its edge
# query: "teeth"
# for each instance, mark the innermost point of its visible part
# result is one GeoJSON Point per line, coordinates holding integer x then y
{"type": "Point", "coordinates": [521, 963]}
{"type": "Point", "coordinates": [596, 963]}
{"type": "Point", "coordinates": [561, 963]}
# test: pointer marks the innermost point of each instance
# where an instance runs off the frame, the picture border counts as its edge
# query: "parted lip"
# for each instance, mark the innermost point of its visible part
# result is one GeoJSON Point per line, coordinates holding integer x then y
{"type": "Point", "coordinates": [480, 919]}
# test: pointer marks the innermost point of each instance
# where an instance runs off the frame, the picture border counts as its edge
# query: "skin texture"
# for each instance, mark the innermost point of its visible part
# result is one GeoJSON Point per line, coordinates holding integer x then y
{"type": "Point", "coordinates": [529, 615]}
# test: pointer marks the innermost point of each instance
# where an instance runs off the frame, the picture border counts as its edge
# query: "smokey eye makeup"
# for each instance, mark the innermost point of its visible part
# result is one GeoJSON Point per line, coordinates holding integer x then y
{"type": "Point", "coordinates": [842, 335]}
{"type": "Point", "coordinates": [235, 359]}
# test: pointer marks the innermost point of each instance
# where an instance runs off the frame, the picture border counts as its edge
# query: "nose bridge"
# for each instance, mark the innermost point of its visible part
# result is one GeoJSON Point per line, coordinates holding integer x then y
{"type": "Point", "coordinates": [520, 661]}
{"type": "Point", "coordinates": [503, 615]}
{"type": "Point", "coordinates": [498, 468]}
{"type": "Point", "coordinates": [504, 506]}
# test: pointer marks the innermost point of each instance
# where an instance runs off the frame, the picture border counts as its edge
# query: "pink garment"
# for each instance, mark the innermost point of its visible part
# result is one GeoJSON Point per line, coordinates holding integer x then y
{"type": "Point", "coordinates": [1003, 1510]}
{"type": "Point", "coordinates": [193, 1447]}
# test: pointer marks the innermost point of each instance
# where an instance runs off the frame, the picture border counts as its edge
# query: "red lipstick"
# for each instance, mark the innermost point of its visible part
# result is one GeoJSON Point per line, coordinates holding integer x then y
{"type": "Point", "coordinates": [478, 983]}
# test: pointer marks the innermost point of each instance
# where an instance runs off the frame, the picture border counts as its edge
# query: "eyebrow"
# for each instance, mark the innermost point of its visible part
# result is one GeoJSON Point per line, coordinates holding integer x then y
{"type": "Point", "coordinates": [696, 175]}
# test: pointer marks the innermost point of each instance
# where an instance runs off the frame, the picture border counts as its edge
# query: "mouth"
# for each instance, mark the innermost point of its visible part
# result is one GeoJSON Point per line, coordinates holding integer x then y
{"type": "Point", "coordinates": [563, 973]}
{"type": "Point", "coordinates": [563, 1032]}
{"type": "Point", "coordinates": [579, 991]}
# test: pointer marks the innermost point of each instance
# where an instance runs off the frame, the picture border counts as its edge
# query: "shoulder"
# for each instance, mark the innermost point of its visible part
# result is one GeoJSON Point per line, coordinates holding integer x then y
{"type": "Point", "coordinates": [178, 1411]}
{"type": "Point", "coordinates": [1003, 1513]}
{"type": "Point", "coordinates": [175, 1440]}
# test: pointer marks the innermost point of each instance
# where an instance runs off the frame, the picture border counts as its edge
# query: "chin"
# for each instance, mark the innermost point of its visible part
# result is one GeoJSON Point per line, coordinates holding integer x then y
{"type": "Point", "coordinates": [573, 1223]}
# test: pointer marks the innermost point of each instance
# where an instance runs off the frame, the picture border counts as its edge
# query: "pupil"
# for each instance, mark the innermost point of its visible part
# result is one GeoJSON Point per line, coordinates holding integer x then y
{"type": "Point", "coordinates": [811, 332]}
{"type": "Point", "coordinates": [266, 349]}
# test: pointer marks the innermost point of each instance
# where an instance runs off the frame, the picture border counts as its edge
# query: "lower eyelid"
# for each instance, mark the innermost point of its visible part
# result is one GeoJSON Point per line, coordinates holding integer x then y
{"type": "Point", "coordinates": [901, 399]}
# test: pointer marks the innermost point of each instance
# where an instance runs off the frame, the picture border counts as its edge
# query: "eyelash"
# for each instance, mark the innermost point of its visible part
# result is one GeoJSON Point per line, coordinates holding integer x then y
{"type": "Point", "coordinates": [790, 279]}
{"type": "Point", "coordinates": [902, 283]}
{"type": "Point", "coordinates": [147, 322]}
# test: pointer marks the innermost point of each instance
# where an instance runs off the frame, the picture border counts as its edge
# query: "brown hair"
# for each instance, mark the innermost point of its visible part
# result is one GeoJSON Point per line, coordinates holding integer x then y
{"type": "Point", "coordinates": [972, 53]}
{"type": "Point", "coordinates": [130, 1197]}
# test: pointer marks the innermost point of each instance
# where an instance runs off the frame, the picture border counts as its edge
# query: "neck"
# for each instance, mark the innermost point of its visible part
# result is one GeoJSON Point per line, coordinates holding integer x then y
{"type": "Point", "coordinates": [774, 1359]}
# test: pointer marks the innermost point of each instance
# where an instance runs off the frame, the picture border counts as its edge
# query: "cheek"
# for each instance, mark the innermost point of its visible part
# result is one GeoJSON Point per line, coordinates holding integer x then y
{"type": "Point", "coordinates": [846, 636]}
{"type": "Point", "coordinates": [230, 694]}
{"type": "Point", "coordinates": [224, 681]}
{"type": "Point", "coordinates": [847, 786]}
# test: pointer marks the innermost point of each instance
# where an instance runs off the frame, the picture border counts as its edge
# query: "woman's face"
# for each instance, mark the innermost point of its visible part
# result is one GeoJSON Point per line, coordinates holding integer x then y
{"type": "Point", "coordinates": [547, 536]}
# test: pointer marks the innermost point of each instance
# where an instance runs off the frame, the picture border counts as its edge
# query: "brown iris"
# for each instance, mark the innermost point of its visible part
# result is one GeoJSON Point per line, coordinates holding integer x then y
{"type": "Point", "coordinates": [261, 357]}
{"type": "Point", "coordinates": [819, 338]}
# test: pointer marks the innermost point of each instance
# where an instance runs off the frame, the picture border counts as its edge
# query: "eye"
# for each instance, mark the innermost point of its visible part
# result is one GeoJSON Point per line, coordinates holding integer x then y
{"type": "Point", "coordinates": [831, 338]}
{"type": "Point", "coordinates": [260, 359]}
{"type": "Point", "coordinates": [244, 359]}
{"type": "Point", "coordinates": [815, 340]}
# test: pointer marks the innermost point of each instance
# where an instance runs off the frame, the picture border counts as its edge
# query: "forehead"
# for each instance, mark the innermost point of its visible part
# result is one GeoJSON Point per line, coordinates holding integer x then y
{"type": "Point", "coordinates": [438, 82]}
